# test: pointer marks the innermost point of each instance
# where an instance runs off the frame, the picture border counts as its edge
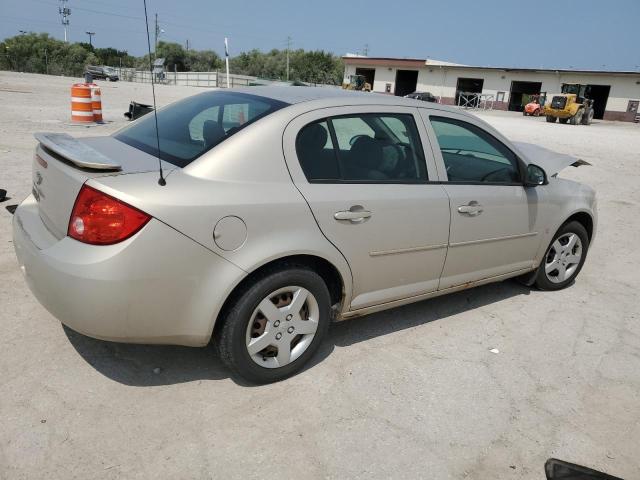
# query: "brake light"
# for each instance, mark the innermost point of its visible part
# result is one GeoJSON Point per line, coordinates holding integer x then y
{"type": "Point", "coordinates": [100, 219]}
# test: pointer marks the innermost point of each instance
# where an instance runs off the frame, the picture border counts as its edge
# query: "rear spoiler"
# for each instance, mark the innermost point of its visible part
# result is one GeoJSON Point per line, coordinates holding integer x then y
{"type": "Point", "coordinates": [76, 152]}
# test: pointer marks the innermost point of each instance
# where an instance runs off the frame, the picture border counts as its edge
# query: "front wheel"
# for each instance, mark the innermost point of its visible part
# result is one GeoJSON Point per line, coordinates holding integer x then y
{"type": "Point", "coordinates": [275, 325]}
{"type": "Point", "coordinates": [551, 119]}
{"type": "Point", "coordinates": [577, 118]}
{"type": "Point", "coordinates": [564, 257]}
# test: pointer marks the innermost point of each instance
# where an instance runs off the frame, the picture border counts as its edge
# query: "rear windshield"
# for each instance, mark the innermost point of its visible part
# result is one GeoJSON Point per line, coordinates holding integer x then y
{"type": "Point", "coordinates": [192, 126]}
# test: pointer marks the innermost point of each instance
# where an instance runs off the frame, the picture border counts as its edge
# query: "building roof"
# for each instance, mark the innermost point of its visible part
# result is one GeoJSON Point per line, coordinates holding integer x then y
{"type": "Point", "coordinates": [421, 63]}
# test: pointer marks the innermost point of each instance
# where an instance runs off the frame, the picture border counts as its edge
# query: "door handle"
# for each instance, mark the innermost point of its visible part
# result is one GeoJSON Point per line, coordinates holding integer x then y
{"type": "Point", "coordinates": [354, 216]}
{"type": "Point", "coordinates": [472, 209]}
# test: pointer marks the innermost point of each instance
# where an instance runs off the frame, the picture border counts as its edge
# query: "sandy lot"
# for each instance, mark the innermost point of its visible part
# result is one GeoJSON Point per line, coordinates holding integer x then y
{"type": "Point", "coordinates": [409, 393]}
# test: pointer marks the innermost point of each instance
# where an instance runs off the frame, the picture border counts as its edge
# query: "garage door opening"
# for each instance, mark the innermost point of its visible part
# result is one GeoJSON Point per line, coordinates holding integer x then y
{"type": "Point", "coordinates": [406, 82]}
{"type": "Point", "coordinates": [468, 86]}
{"type": "Point", "coordinates": [521, 93]}
{"type": "Point", "coordinates": [368, 73]}
{"type": "Point", "coordinates": [599, 94]}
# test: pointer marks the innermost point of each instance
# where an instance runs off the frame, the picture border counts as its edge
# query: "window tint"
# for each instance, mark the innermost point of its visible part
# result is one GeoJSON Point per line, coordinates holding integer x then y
{"type": "Point", "coordinates": [377, 148]}
{"type": "Point", "coordinates": [315, 152]}
{"type": "Point", "coordinates": [472, 155]}
{"type": "Point", "coordinates": [192, 126]}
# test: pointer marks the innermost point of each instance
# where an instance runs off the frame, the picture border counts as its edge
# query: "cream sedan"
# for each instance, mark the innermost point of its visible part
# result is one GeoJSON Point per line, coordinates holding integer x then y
{"type": "Point", "coordinates": [282, 209]}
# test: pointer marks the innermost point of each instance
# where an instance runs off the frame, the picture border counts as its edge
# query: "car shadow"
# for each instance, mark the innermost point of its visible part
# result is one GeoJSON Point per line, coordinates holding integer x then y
{"type": "Point", "coordinates": [154, 365]}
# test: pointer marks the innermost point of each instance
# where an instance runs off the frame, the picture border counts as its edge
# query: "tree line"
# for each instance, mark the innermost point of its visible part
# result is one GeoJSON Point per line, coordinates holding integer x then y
{"type": "Point", "coordinates": [40, 53]}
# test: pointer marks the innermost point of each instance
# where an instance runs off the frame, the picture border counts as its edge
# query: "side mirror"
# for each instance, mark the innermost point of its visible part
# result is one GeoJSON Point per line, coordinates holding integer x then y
{"type": "Point", "coordinates": [535, 176]}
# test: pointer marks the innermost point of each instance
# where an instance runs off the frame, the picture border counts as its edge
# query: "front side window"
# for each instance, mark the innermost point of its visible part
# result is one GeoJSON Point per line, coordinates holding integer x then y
{"type": "Point", "coordinates": [365, 148]}
{"type": "Point", "coordinates": [190, 127]}
{"type": "Point", "coordinates": [472, 155]}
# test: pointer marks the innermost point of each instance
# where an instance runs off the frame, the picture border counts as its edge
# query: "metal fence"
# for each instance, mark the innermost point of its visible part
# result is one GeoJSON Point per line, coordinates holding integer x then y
{"type": "Point", "coordinates": [192, 79]}
{"type": "Point", "coordinates": [200, 79]}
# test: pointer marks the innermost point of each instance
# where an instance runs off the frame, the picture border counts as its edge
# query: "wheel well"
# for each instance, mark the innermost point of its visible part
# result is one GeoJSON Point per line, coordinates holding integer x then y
{"type": "Point", "coordinates": [586, 221]}
{"type": "Point", "coordinates": [322, 267]}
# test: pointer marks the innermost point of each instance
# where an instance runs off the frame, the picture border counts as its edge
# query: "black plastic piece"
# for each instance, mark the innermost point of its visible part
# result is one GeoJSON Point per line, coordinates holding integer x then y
{"type": "Point", "coordinates": [137, 110]}
{"type": "Point", "coordinates": [560, 470]}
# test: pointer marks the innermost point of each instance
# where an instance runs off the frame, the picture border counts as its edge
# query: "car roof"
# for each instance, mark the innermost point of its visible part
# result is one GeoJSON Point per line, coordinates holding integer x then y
{"type": "Point", "coordinates": [334, 96]}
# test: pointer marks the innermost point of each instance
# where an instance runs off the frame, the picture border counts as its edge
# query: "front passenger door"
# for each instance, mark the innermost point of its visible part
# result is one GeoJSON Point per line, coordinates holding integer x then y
{"type": "Point", "coordinates": [494, 218]}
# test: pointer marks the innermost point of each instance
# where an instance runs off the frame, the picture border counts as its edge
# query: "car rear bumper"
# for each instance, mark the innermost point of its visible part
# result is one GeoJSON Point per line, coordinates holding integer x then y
{"type": "Point", "coordinates": [158, 286]}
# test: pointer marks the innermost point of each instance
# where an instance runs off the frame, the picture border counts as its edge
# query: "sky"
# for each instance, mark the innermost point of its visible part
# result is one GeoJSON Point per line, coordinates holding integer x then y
{"type": "Point", "coordinates": [582, 34]}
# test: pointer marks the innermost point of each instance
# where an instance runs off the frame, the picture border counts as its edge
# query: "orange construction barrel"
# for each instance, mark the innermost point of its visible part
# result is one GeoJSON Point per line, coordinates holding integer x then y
{"type": "Point", "coordinates": [81, 103]}
{"type": "Point", "coordinates": [96, 103]}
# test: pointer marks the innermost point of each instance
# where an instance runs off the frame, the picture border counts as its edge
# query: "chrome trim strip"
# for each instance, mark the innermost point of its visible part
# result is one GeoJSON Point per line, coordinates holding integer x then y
{"type": "Point", "coordinates": [496, 239]}
{"type": "Point", "coordinates": [406, 250]}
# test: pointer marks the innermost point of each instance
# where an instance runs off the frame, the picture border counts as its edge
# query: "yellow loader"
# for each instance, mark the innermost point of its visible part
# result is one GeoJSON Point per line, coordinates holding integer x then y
{"type": "Point", "coordinates": [571, 106]}
{"type": "Point", "coordinates": [357, 82]}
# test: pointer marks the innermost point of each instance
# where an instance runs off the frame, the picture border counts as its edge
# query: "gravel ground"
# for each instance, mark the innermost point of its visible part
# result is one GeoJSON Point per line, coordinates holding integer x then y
{"type": "Point", "coordinates": [413, 392]}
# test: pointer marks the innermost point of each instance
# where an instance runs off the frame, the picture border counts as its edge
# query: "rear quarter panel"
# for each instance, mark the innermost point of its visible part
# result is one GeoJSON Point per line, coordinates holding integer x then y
{"type": "Point", "coordinates": [245, 177]}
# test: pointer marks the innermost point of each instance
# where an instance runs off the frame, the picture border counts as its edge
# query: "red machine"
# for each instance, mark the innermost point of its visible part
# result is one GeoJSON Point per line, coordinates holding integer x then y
{"type": "Point", "coordinates": [534, 107]}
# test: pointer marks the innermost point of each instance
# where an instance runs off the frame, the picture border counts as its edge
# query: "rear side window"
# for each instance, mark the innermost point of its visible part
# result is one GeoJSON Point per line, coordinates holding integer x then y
{"type": "Point", "coordinates": [365, 148]}
{"type": "Point", "coordinates": [472, 155]}
{"type": "Point", "coordinates": [192, 126]}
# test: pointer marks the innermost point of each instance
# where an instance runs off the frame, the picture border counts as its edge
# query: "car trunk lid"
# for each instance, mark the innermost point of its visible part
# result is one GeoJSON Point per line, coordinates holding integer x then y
{"type": "Point", "coordinates": [62, 164]}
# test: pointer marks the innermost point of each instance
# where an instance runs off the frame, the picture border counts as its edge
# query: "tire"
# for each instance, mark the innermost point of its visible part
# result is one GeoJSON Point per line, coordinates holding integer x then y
{"type": "Point", "coordinates": [562, 256]}
{"type": "Point", "coordinates": [577, 118]}
{"type": "Point", "coordinates": [245, 323]}
{"type": "Point", "coordinates": [563, 120]}
{"type": "Point", "coordinates": [551, 119]}
{"type": "Point", "coordinates": [588, 117]}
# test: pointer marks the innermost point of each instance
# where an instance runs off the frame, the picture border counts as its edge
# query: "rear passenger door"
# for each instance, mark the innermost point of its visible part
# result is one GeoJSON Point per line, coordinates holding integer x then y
{"type": "Point", "coordinates": [364, 174]}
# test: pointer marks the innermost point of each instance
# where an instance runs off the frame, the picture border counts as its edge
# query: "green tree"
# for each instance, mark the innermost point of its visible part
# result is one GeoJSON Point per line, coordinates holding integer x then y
{"type": "Point", "coordinates": [173, 54]}
{"type": "Point", "coordinates": [203, 61]}
{"type": "Point", "coordinates": [312, 67]}
{"type": "Point", "coordinates": [39, 53]}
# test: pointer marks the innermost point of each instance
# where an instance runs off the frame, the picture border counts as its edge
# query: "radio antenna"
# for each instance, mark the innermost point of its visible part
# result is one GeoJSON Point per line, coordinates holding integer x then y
{"type": "Point", "coordinates": [161, 180]}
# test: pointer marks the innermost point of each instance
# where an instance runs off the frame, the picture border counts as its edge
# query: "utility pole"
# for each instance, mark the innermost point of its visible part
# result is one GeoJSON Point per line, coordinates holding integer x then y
{"type": "Point", "coordinates": [226, 59]}
{"type": "Point", "coordinates": [187, 44]}
{"type": "Point", "coordinates": [91, 34]}
{"type": "Point", "coordinates": [288, 47]}
{"type": "Point", "coordinates": [365, 50]}
{"type": "Point", "coordinates": [46, 62]}
{"type": "Point", "coordinates": [64, 12]}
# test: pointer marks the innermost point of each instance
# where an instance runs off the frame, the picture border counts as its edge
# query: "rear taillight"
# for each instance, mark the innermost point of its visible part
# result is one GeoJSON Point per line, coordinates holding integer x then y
{"type": "Point", "coordinates": [100, 219]}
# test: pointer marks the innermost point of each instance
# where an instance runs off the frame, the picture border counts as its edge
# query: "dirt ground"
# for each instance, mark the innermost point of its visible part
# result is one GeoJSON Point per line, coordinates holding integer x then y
{"type": "Point", "coordinates": [413, 392]}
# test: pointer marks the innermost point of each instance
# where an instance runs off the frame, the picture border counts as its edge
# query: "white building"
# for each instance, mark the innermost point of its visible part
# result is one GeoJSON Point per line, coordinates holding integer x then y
{"type": "Point", "coordinates": [616, 95]}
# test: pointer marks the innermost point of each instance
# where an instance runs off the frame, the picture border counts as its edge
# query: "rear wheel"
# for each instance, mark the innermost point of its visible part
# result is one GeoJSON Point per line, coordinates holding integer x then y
{"type": "Point", "coordinates": [563, 120]}
{"type": "Point", "coordinates": [275, 325]}
{"type": "Point", "coordinates": [587, 118]}
{"type": "Point", "coordinates": [551, 119]}
{"type": "Point", "coordinates": [577, 118]}
{"type": "Point", "coordinates": [564, 257]}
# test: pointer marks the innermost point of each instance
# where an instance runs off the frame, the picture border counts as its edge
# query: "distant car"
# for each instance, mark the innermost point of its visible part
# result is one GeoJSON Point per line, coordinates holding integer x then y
{"type": "Point", "coordinates": [284, 209]}
{"type": "Point", "coordinates": [424, 96]}
{"type": "Point", "coordinates": [103, 73]}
